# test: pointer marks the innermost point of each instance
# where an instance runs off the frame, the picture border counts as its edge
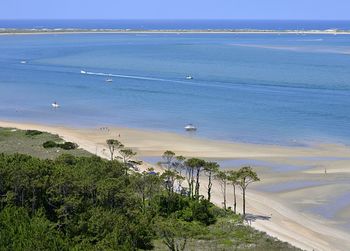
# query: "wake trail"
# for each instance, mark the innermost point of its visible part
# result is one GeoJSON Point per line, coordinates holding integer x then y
{"type": "Point", "coordinates": [138, 77]}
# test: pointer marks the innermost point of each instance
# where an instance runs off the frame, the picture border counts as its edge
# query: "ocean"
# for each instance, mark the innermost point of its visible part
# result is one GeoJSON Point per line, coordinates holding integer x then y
{"type": "Point", "coordinates": [178, 24]}
{"type": "Point", "coordinates": [258, 88]}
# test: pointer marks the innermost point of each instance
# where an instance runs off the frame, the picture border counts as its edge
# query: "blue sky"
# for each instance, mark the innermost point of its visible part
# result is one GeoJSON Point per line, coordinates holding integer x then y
{"type": "Point", "coordinates": [175, 9]}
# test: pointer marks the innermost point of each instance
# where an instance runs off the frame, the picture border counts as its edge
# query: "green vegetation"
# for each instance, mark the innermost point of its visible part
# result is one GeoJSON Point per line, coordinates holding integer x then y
{"type": "Point", "coordinates": [113, 145]}
{"type": "Point", "coordinates": [65, 145]}
{"type": "Point", "coordinates": [88, 203]}
{"type": "Point", "coordinates": [33, 132]}
{"type": "Point", "coordinates": [31, 142]}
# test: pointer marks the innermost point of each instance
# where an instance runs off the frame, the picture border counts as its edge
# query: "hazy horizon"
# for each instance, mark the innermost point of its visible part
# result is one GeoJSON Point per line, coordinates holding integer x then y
{"type": "Point", "coordinates": [169, 19]}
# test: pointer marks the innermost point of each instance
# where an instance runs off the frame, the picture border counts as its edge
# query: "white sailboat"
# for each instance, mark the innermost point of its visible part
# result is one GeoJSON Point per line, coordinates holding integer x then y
{"type": "Point", "coordinates": [190, 127]}
{"type": "Point", "coordinates": [55, 105]}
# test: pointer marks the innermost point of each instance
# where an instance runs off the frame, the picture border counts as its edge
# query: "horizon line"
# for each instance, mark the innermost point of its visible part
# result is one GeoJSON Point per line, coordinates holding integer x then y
{"type": "Point", "coordinates": [165, 19]}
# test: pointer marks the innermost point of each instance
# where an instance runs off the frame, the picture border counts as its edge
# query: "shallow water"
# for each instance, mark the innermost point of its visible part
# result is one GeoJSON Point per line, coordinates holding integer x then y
{"type": "Point", "coordinates": [289, 186]}
{"type": "Point", "coordinates": [332, 207]}
{"type": "Point", "coordinates": [250, 93]}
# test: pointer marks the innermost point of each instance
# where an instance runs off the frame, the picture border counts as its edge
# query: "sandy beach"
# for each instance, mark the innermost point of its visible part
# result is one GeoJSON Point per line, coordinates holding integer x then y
{"type": "Point", "coordinates": [280, 204]}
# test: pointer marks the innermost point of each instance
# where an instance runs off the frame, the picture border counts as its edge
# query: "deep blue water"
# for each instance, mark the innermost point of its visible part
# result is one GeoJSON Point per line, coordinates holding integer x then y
{"type": "Point", "coordinates": [287, 89]}
{"type": "Point", "coordinates": [179, 24]}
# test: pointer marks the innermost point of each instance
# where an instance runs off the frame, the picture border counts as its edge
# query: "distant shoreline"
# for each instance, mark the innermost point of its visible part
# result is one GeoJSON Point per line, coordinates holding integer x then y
{"type": "Point", "coordinates": [7, 31]}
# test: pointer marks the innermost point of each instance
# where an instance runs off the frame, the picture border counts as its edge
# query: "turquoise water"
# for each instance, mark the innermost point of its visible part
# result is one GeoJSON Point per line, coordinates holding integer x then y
{"type": "Point", "coordinates": [275, 89]}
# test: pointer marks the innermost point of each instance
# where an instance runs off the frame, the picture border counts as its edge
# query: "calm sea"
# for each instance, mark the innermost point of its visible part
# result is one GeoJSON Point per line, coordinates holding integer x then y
{"type": "Point", "coordinates": [178, 24]}
{"type": "Point", "coordinates": [276, 89]}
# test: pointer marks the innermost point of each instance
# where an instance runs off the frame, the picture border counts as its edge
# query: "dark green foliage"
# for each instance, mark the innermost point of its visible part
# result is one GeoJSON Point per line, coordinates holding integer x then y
{"type": "Point", "coordinates": [33, 133]}
{"type": "Point", "coordinates": [50, 144]}
{"type": "Point", "coordinates": [68, 146]}
{"type": "Point", "coordinates": [19, 231]}
{"type": "Point", "coordinates": [65, 145]}
{"type": "Point", "coordinates": [202, 212]}
{"type": "Point", "coordinates": [172, 203]}
{"type": "Point", "coordinates": [88, 203]}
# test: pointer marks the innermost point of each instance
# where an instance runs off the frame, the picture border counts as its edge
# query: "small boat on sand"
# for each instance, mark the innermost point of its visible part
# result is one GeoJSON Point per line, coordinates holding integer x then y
{"type": "Point", "coordinates": [55, 105]}
{"type": "Point", "coordinates": [190, 127]}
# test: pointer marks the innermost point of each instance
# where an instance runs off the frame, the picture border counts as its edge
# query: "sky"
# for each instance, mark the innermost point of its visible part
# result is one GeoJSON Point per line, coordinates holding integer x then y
{"type": "Point", "coordinates": [176, 9]}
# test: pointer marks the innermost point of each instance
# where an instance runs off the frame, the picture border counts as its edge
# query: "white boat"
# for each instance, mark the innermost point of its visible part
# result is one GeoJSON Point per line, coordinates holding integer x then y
{"type": "Point", "coordinates": [109, 80]}
{"type": "Point", "coordinates": [83, 72]}
{"type": "Point", "coordinates": [189, 77]}
{"type": "Point", "coordinates": [190, 127]}
{"type": "Point", "coordinates": [55, 105]}
{"type": "Point", "coordinates": [23, 62]}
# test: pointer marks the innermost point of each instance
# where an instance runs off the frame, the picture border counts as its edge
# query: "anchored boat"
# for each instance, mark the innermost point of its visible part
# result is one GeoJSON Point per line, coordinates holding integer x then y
{"type": "Point", "coordinates": [190, 127]}
{"type": "Point", "coordinates": [55, 105]}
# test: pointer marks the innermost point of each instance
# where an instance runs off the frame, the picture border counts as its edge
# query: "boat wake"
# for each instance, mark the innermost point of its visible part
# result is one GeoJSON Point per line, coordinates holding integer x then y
{"type": "Point", "coordinates": [133, 77]}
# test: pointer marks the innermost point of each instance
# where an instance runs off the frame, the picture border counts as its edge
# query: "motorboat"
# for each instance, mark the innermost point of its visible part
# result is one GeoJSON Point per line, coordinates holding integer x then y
{"type": "Point", "coordinates": [55, 105]}
{"type": "Point", "coordinates": [109, 80]}
{"type": "Point", "coordinates": [83, 72]}
{"type": "Point", "coordinates": [189, 77]}
{"type": "Point", "coordinates": [23, 62]}
{"type": "Point", "coordinates": [190, 127]}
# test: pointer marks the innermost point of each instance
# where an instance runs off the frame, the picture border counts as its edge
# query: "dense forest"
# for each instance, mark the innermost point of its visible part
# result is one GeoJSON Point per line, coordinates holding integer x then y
{"type": "Point", "coordinates": [89, 203]}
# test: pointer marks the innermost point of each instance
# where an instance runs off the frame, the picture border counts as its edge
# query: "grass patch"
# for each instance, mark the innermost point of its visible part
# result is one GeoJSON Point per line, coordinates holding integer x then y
{"type": "Point", "coordinates": [31, 142]}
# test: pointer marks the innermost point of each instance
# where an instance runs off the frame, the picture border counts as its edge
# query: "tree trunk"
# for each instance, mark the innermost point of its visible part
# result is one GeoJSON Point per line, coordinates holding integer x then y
{"type": "Point", "coordinates": [209, 187]}
{"type": "Point", "coordinates": [243, 202]}
{"type": "Point", "coordinates": [225, 195]}
{"type": "Point", "coordinates": [189, 183]}
{"type": "Point", "coordinates": [111, 154]}
{"type": "Point", "coordinates": [197, 183]}
{"type": "Point", "coordinates": [234, 200]}
{"type": "Point", "coordinates": [192, 181]}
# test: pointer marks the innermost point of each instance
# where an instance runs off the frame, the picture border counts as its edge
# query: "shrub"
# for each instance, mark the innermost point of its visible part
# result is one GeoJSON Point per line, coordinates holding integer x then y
{"type": "Point", "coordinates": [32, 132]}
{"type": "Point", "coordinates": [68, 146]}
{"type": "Point", "coordinates": [65, 145]}
{"type": "Point", "coordinates": [171, 204]}
{"type": "Point", "coordinates": [186, 214]}
{"type": "Point", "coordinates": [67, 159]}
{"type": "Point", "coordinates": [202, 212]}
{"type": "Point", "coordinates": [50, 144]}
